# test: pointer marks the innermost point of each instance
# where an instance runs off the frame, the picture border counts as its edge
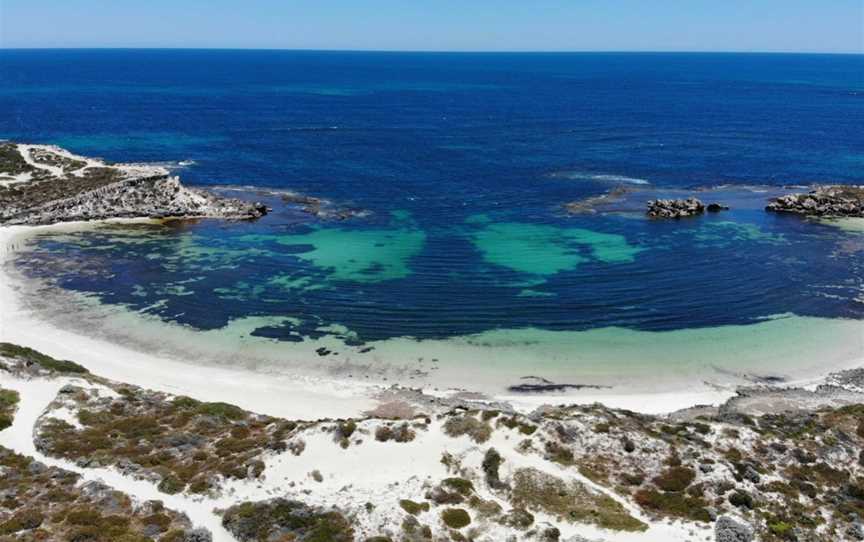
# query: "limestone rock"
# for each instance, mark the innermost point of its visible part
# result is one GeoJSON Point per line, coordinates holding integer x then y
{"type": "Point", "coordinates": [728, 530]}
{"type": "Point", "coordinates": [675, 208]}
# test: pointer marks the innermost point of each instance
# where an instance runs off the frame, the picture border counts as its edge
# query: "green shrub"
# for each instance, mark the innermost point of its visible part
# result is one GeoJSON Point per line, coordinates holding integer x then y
{"type": "Point", "coordinates": [221, 410]}
{"type": "Point", "coordinates": [741, 499]}
{"type": "Point", "coordinates": [460, 485]}
{"type": "Point", "coordinates": [412, 507]}
{"type": "Point", "coordinates": [675, 479]}
{"type": "Point", "coordinates": [30, 356]}
{"type": "Point", "coordinates": [22, 521]}
{"type": "Point", "coordinates": [468, 425]}
{"type": "Point", "coordinates": [455, 518]}
{"type": "Point", "coordinates": [673, 504]}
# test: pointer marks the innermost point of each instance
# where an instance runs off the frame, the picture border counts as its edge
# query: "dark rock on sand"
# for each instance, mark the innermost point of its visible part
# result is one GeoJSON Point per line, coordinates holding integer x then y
{"type": "Point", "coordinates": [827, 201]}
{"type": "Point", "coordinates": [536, 384]}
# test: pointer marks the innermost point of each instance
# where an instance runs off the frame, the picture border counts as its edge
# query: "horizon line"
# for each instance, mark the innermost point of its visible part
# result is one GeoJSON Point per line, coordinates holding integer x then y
{"type": "Point", "coordinates": [437, 51]}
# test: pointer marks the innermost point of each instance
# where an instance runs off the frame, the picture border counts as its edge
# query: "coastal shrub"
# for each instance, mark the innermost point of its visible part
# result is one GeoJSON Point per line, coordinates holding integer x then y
{"type": "Point", "coordinates": [741, 499]}
{"type": "Point", "coordinates": [558, 453]}
{"type": "Point", "coordinates": [460, 485]}
{"type": "Point", "coordinates": [518, 518]}
{"type": "Point", "coordinates": [484, 508]}
{"type": "Point", "coordinates": [221, 410]}
{"type": "Point", "coordinates": [32, 357]}
{"type": "Point", "coordinates": [477, 430]}
{"type": "Point", "coordinates": [292, 520]}
{"type": "Point", "coordinates": [8, 401]}
{"type": "Point", "coordinates": [673, 504]}
{"type": "Point", "coordinates": [602, 427]}
{"type": "Point", "coordinates": [594, 471]}
{"type": "Point", "coordinates": [491, 464]}
{"type": "Point", "coordinates": [24, 520]}
{"type": "Point", "coordinates": [781, 529]}
{"type": "Point", "coordinates": [412, 507]}
{"type": "Point", "coordinates": [455, 518]}
{"type": "Point", "coordinates": [398, 433]}
{"type": "Point", "coordinates": [570, 501]}
{"type": "Point", "coordinates": [171, 485]}
{"type": "Point", "coordinates": [513, 422]}
{"type": "Point", "coordinates": [633, 479]}
{"type": "Point", "coordinates": [347, 429]}
{"type": "Point", "coordinates": [675, 479]}
{"type": "Point", "coordinates": [489, 414]}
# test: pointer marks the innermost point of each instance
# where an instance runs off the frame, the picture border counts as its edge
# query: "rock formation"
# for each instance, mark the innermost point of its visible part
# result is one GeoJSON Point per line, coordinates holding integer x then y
{"type": "Point", "coordinates": [45, 185]}
{"type": "Point", "coordinates": [827, 201]}
{"type": "Point", "coordinates": [675, 208]}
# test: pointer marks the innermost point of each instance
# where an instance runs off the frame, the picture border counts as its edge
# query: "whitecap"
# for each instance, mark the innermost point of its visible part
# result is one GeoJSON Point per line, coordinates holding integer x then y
{"type": "Point", "coordinates": [598, 177]}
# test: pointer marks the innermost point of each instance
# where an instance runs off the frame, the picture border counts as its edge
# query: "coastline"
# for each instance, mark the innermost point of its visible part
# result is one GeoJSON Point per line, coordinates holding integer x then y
{"type": "Point", "coordinates": [308, 392]}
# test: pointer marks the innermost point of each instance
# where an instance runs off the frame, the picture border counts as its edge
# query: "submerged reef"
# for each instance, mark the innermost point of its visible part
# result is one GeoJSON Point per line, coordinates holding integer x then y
{"type": "Point", "coordinates": [42, 184]}
{"type": "Point", "coordinates": [772, 464]}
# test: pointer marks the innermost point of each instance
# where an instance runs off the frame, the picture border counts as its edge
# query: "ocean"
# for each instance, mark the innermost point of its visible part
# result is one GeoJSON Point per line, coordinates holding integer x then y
{"type": "Point", "coordinates": [456, 169]}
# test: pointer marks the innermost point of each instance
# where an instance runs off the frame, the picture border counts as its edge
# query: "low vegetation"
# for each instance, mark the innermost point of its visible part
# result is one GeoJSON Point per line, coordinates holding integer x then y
{"type": "Point", "coordinates": [184, 444]}
{"type": "Point", "coordinates": [282, 519]}
{"type": "Point", "coordinates": [48, 503]}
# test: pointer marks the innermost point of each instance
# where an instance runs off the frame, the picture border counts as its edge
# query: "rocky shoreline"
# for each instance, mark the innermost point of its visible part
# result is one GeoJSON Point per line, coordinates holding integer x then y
{"type": "Point", "coordinates": [46, 185]}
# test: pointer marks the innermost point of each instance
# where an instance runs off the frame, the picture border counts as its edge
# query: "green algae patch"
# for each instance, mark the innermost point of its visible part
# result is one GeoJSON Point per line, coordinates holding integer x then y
{"type": "Point", "coordinates": [366, 256]}
{"type": "Point", "coordinates": [724, 233]}
{"type": "Point", "coordinates": [573, 502]}
{"type": "Point", "coordinates": [546, 250]}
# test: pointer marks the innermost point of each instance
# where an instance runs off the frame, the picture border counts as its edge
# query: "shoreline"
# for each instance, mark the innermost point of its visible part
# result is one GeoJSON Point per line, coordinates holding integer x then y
{"type": "Point", "coordinates": [312, 393]}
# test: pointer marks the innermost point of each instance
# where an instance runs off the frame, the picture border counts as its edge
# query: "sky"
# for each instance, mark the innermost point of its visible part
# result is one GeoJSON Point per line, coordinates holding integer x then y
{"type": "Point", "coordinates": [440, 25]}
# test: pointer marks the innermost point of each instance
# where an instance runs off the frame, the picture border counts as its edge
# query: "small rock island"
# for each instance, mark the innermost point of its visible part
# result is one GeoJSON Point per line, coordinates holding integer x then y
{"type": "Point", "coordinates": [826, 201]}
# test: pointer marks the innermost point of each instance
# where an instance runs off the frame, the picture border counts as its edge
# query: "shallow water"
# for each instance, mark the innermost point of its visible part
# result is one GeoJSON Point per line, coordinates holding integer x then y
{"type": "Point", "coordinates": [463, 164]}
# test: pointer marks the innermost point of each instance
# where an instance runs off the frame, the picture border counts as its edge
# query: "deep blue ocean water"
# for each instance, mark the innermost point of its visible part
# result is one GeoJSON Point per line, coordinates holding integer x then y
{"type": "Point", "coordinates": [463, 163]}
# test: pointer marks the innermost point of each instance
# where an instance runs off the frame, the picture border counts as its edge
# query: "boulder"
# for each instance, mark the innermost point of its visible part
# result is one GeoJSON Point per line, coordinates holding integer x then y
{"type": "Point", "coordinates": [675, 208]}
{"type": "Point", "coordinates": [728, 530]}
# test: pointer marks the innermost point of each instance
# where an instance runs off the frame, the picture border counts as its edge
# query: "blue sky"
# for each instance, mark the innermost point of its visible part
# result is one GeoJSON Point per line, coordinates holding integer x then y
{"type": "Point", "coordinates": [444, 25]}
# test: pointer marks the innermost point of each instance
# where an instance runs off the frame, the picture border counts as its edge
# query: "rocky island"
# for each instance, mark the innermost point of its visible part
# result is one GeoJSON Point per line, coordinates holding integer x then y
{"type": "Point", "coordinates": [42, 184]}
{"type": "Point", "coordinates": [681, 208]}
{"type": "Point", "coordinates": [824, 201]}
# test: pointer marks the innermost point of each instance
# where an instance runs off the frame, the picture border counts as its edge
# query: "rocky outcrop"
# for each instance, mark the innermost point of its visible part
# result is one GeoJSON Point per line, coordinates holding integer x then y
{"type": "Point", "coordinates": [827, 201]}
{"type": "Point", "coordinates": [675, 208]}
{"type": "Point", "coordinates": [152, 197]}
{"type": "Point", "coordinates": [47, 185]}
{"type": "Point", "coordinates": [728, 530]}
